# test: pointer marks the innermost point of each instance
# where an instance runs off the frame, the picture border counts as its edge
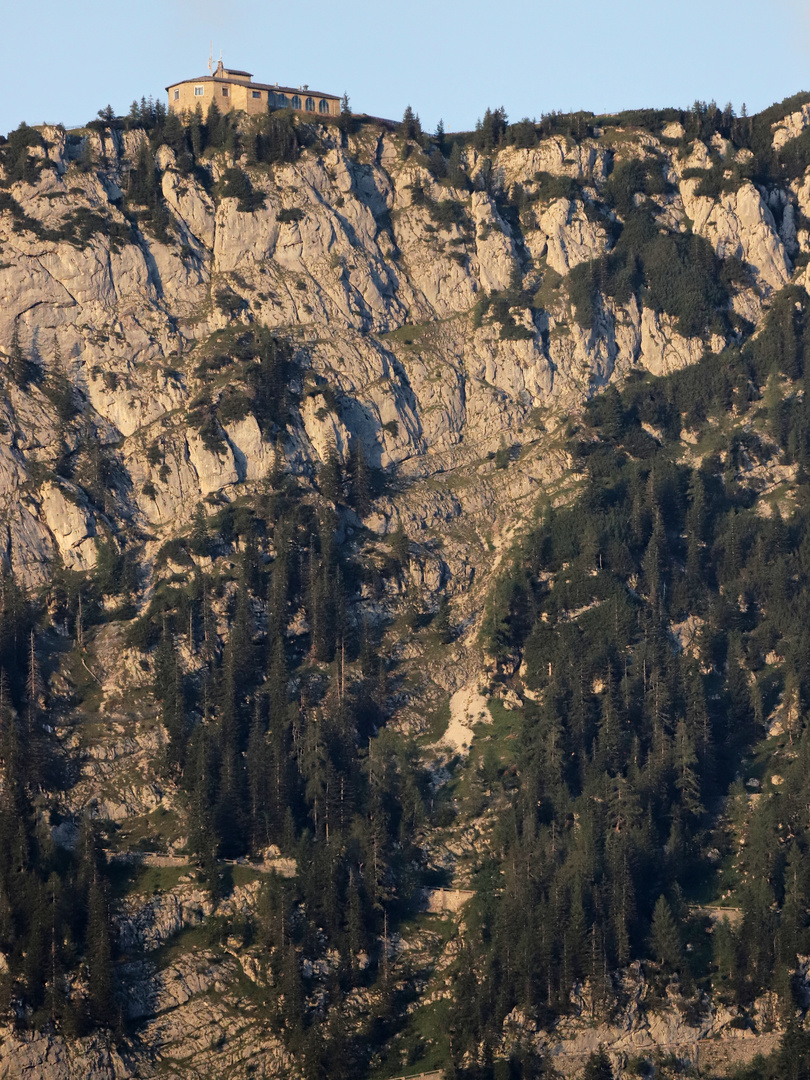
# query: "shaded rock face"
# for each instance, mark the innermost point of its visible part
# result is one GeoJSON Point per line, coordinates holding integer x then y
{"type": "Point", "coordinates": [740, 224]}
{"type": "Point", "coordinates": [344, 251]}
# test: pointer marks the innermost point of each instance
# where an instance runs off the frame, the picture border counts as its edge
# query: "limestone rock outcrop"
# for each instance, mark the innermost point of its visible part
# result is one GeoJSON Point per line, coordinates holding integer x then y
{"type": "Point", "coordinates": [354, 247]}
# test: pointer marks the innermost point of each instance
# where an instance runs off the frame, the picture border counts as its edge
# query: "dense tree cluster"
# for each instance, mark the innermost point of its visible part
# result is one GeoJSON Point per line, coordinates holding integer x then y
{"type": "Point", "coordinates": [55, 926]}
{"type": "Point", "coordinates": [669, 272]}
{"type": "Point", "coordinates": [310, 771]}
{"type": "Point", "coordinates": [16, 159]}
{"type": "Point", "coordinates": [633, 739]}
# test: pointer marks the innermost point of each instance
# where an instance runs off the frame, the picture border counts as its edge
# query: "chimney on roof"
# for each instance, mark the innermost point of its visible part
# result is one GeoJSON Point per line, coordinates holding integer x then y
{"type": "Point", "coordinates": [220, 72]}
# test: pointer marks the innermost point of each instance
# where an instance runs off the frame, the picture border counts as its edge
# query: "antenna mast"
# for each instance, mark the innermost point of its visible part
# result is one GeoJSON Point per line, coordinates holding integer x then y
{"type": "Point", "coordinates": [211, 59]}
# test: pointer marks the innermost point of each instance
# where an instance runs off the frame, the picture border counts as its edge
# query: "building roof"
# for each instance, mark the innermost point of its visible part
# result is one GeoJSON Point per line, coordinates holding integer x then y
{"type": "Point", "coordinates": [276, 89]}
{"type": "Point", "coordinates": [233, 71]}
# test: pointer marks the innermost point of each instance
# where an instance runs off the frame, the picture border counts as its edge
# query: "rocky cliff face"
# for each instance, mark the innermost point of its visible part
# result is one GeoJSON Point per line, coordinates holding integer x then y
{"type": "Point", "coordinates": [380, 297]}
{"type": "Point", "coordinates": [376, 273]}
{"type": "Point", "coordinates": [343, 252]}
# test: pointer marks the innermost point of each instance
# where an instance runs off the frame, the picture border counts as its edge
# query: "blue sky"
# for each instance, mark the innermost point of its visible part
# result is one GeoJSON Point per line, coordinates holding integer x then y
{"type": "Point", "coordinates": [448, 59]}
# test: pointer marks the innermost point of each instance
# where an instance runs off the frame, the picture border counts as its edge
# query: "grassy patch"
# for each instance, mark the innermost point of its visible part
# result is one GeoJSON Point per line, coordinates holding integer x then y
{"type": "Point", "coordinates": [134, 879]}
{"type": "Point", "coordinates": [86, 688]}
{"type": "Point", "coordinates": [504, 721]}
{"type": "Point", "coordinates": [156, 831]}
{"type": "Point", "coordinates": [425, 922]}
{"type": "Point", "coordinates": [243, 875]}
{"type": "Point", "coordinates": [437, 723]}
{"type": "Point", "coordinates": [405, 335]}
{"type": "Point", "coordinates": [423, 1046]}
{"type": "Point", "coordinates": [208, 935]}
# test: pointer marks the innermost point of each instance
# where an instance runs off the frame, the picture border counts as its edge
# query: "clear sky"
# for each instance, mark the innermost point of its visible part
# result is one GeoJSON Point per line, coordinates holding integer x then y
{"type": "Point", "coordinates": [62, 61]}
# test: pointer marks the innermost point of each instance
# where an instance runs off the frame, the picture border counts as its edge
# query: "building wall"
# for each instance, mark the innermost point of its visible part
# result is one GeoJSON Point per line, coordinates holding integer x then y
{"type": "Point", "coordinates": [242, 97]}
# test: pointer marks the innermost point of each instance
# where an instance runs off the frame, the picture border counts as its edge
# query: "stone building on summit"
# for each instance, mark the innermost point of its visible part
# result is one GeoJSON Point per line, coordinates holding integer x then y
{"type": "Point", "coordinates": [235, 90]}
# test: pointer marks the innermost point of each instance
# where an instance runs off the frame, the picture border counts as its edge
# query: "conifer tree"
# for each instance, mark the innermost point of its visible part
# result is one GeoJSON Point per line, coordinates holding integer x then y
{"type": "Point", "coordinates": [23, 370]}
{"type": "Point", "coordinates": [142, 179]}
{"type": "Point", "coordinates": [215, 127]}
{"type": "Point", "coordinates": [686, 778]}
{"type": "Point", "coordinates": [168, 691]}
{"type": "Point", "coordinates": [598, 1066]}
{"type": "Point", "coordinates": [34, 692]}
{"type": "Point", "coordinates": [346, 119]}
{"type": "Point", "coordinates": [329, 476]}
{"type": "Point", "coordinates": [99, 956]}
{"type": "Point", "coordinates": [360, 479]}
{"type": "Point", "coordinates": [196, 133]}
{"type": "Point", "coordinates": [665, 940]}
{"type": "Point", "coordinates": [411, 128]}
{"type": "Point", "coordinates": [455, 167]}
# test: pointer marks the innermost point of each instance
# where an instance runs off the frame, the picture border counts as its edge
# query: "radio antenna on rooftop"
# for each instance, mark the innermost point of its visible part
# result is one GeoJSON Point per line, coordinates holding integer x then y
{"type": "Point", "coordinates": [211, 59]}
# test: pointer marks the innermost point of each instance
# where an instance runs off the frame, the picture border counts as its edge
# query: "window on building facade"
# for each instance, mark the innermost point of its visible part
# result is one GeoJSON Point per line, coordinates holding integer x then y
{"type": "Point", "coordinates": [177, 95]}
{"type": "Point", "coordinates": [224, 91]}
{"type": "Point", "coordinates": [257, 93]}
{"type": "Point", "coordinates": [199, 91]}
{"type": "Point", "coordinates": [323, 106]}
{"type": "Point", "coordinates": [296, 101]}
{"type": "Point", "coordinates": [310, 104]}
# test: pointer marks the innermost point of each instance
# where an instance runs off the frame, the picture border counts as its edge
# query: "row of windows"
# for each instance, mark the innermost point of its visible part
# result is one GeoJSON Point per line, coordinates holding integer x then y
{"type": "Point", "coordinates": [280, 100]}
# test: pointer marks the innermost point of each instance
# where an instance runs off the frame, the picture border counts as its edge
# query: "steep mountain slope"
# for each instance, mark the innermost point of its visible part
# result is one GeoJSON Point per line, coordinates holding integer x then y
{"type": "Point", "coordinates": [288, 630]}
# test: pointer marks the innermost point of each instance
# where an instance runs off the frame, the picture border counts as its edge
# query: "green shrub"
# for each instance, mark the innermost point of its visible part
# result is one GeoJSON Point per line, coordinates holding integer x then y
{"type": "Point", "coordinates": [77, 228]}
{"type": "Point", "coordinates": [275, 139]}
{"type": "Point", "coordinates": [59, 391]}
{"type": "Point", "coordinates": [208, 428]}
{"type": "Point", "coordinates": [83, 224]}
{"type": "Point", "coordinates": [229, 302]}
{"type": "Point", "coordinates": [523, 134]}
{"type": "Point", "coordinates": [18, 164]}
{"type": "Point", "coordinates": [259, 365]}
{"type": "Point", "coordinates": [21, 220]}
{"type": "Point", "coordinates": [292, 213]}
{"type": "Point", "coordinates": [582, 292]}
{"type": "Point", "coordinates": [175, 551]}
{"type": "Point", "coordinates": [447, 213]}
{"type": "Point", "coordinates": [233, 407]}
{"type": "Point", "coordinates": [683, 280]}
{"type": "Point", "coordinates": [675, 273]}
{"type": "Point", "coordinates": [480, 310]}
{"type": "Point", "coordinates": [634, 177]}
{"type": "Point", "coordinates": [720, 178]}
{"type": "Point", "coordinates": [549, 289]}
{"type": "Point", "coordinates": [512, 331]}
{"type": "Point", "coordinates": [549, 187]}
{"type": "Point", "coordinates": [418, 195]}
{"type": "Point", "coordinates": [235, 184]}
